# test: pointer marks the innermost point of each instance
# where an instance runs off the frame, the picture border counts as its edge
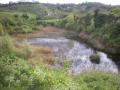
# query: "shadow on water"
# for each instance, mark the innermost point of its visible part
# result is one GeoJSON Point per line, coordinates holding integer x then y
{"type": "Point", "coordinates": [116, 59]}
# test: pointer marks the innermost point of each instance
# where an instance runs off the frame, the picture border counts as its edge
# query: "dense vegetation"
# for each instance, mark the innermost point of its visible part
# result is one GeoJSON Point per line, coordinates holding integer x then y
{"type": "Point", "coordinates": [98, 21]}
{"type": "Point", "coordinates": [44, 11]}
{"type": "Point", "coordinates": [41, 10]}
{"type": "Point", "coordinates": [16, 73]}
{"type": "Point", "coordinates": [16, 22]}
{"type": "Point", "coordinates": [101, 26]}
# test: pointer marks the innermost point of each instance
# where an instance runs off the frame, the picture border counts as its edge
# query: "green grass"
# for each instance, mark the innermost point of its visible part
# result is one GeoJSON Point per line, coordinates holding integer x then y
{"type": "Point", "coordinates": [16, 22]}
{"type": "Point", "coordinates": [98, 81]}
{"type": "Point", "coordinates": [16, 73]}
{"type": "Point", "coordinates": [11, 14]}
{"type": "Point", "coordinates": [41, 10]}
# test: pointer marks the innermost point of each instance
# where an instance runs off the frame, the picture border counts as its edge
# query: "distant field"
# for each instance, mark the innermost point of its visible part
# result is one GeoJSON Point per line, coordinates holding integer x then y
{"type": "Point", "coordinates": [11, 14]}
{"type": "Point", "coordinates": [49, 20]}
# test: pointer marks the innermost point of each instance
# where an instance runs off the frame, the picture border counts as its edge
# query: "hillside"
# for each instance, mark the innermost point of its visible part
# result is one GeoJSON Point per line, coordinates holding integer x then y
{"type": "Point", "coordinates": [51, 10]}
{"type": "Point", "coordinates": [39, 9]}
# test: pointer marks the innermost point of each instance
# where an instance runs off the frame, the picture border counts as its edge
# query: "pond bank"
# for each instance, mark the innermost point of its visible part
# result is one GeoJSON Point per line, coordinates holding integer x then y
{"type": "Point", "coordinates": [67, 44]}
{"type": "Point", "coordinates": [97, 43]}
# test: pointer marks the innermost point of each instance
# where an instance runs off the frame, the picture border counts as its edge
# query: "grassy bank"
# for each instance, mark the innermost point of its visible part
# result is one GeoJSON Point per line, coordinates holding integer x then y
{"type": "Point", "coordinates": [27, 67]}
{"type": "Point", "coordinates": [17, 72]}
{"type": "Point", "coordinates": [16, 22]}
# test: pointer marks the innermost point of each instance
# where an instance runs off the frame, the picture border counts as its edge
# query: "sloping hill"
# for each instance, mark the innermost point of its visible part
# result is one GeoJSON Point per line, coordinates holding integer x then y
{"type": "Point", "coordinates": [53, 10]}
{"type": "Point", "coordinates": [41, 10]}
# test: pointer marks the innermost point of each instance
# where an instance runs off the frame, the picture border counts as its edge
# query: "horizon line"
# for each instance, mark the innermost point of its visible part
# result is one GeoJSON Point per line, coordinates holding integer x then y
{"type": "Point", "coordinates": [57, 3]}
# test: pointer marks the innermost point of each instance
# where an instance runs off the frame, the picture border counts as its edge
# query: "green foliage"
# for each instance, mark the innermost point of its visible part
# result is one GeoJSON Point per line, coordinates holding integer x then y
{"type": "Point", "coordinates": [49, 11]}
{"type": "Point", "coordinates": [66, 64]}
{"type": "Point", "coordinates": [1, 29]}
{"type": "Point", "coordinates": [104, 26]}
{"type": "Point", "coordinates": [25, 16]}
{"type": "Point", "coordinates": [98, 81]}
{"type": "Point", "coordinates": [6, 46]}
{"type": "Point", "coordinates": [67, 22]}
{"type": "Point", "coordinates": [41, 10]}
{"type": "Point", "coordinates": [70, 21]}
{"type": "Point", "coordinates": [95, 58]}
{"type": "Point", "coordinates": [17, 74]}
{"type": "Point", "coordinates": [115, 11]}
{"type": "Point", "coordinates": [17, 23]}
{"type": "Point", "coordinates": [12, 69]}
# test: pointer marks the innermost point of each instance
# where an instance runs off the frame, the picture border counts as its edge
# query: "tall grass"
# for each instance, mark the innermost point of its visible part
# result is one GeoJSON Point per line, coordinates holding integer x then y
{"type": "Point", "coordinates": [6, 46]}
{"type": "Point", "coordinates": [17, 74]}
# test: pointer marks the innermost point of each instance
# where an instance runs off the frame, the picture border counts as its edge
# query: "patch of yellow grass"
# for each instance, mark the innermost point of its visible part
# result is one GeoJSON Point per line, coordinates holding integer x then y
{"type": "Point", "coordinates": [41, 55]}
{"type": "Point", "coordinates": [36, 54]}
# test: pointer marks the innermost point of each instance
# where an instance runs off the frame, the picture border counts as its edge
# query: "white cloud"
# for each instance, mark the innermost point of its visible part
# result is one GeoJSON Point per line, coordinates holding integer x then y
{"type": "Point", "coordinates": [113, 2]}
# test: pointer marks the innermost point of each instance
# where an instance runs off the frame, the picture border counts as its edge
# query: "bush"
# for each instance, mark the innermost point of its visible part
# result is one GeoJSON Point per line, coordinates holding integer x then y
{"type": "Point", "coordinates": [95, 58]}
{"type": "Point", "coordinates": [26, 29]}
{"type": "Point", "coordinates": [25, 16]}
{"type": "Point", "coordinates": [12, 70]}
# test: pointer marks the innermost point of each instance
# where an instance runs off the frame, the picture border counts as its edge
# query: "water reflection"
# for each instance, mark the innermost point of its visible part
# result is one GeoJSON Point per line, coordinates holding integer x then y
{"type": "Point", "coordinates": [77, 53]}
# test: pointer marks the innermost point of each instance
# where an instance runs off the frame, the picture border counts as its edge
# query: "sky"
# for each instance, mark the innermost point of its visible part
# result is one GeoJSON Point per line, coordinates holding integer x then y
{"type": "Point", "coordinates": [112, 2]}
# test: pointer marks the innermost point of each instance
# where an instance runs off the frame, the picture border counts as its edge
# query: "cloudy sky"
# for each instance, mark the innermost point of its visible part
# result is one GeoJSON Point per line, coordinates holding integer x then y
{"type": "Point", "coordinates": [112, 2]}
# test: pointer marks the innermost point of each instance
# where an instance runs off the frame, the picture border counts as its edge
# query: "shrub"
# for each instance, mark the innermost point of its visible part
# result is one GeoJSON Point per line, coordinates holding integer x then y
{"type": "Point", "coordinates": [25, 16]}
{"type": "Point", "coordinates": [95, 58]}
{"type": "Point", "coordinates": [26, 29]}
{"type": "Point", "coordinates": [12, 69]}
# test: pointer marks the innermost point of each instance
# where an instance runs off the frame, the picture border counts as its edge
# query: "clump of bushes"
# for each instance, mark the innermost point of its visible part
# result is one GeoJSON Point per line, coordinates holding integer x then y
{"type": "Point", "coordinates": [15, 23]}
{"type": "Point", "coordinates": [95, 58]}
{"type": "Point", "coordinates": [25, 16]}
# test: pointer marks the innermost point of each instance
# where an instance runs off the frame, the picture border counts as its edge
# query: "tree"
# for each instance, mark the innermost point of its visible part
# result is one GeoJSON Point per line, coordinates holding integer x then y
{"type": "Point", "coordinates": [96, 18]}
